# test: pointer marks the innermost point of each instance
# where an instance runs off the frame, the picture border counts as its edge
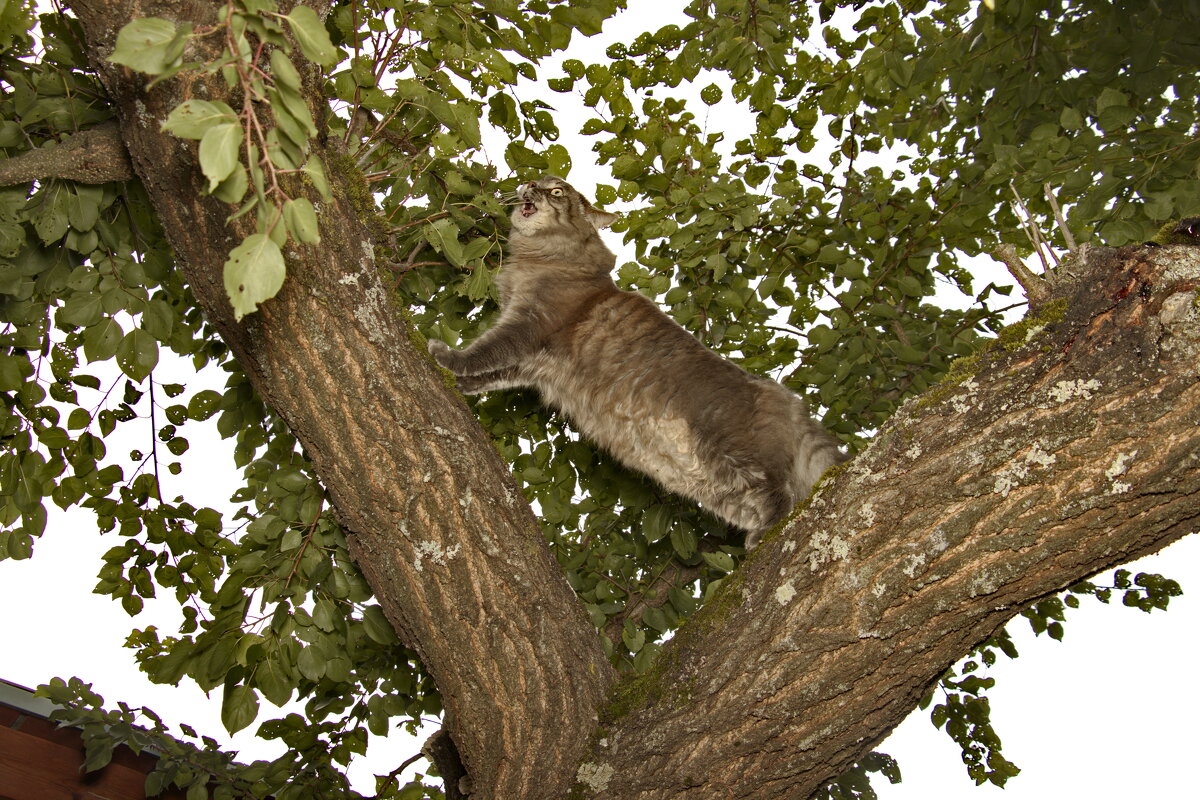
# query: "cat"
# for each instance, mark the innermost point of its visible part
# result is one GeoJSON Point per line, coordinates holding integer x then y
{"type": "Point", "coordinates": [633, 380]}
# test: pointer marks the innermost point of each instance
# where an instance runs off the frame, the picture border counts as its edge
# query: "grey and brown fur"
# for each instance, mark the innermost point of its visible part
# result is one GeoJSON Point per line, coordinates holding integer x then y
{"type": "Point", "coordinates": [633, 380]}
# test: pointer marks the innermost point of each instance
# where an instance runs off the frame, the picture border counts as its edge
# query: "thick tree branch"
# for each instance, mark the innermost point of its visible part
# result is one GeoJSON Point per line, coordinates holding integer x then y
{"type": "Point", "coordinates": [1076, 450]}
{"type": "Point", "coordinates": [433, 516]}
{"type": "Point", "coordinates": [96, 155]}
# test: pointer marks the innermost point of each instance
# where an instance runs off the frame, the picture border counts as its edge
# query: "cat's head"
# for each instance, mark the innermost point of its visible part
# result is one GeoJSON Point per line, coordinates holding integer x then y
{"type": "Point", "coordinates": [550, 205]}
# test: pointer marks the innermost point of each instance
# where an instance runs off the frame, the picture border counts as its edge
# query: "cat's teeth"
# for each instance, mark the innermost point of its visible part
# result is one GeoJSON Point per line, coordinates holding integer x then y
{"type": "Point", "coordinates": [529, 209]}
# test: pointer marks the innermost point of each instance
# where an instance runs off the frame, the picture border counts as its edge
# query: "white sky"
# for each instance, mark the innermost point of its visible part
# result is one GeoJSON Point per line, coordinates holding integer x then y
{"type": "Point", "coordinates": [1108, 713]}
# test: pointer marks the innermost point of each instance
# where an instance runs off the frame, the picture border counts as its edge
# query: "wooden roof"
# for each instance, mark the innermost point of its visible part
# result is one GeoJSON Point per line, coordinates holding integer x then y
{"type": "Point", "coordinates": [40, 761]}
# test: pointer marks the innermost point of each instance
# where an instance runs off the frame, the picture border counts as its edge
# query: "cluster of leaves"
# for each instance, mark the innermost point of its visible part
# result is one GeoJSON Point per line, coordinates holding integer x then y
{"type": "Point", "coordinates": [241, 150]}
{"type": "Point", "coordinates": [965, 711]}
{"type": "Point", "coordinates": [639, 559]}
{"type": "Point", "coordinates": [84, 274]}
{"type": "Point", "coordinates": [203, 770]}
{"type": "Point", "coordinates": [855, 783]}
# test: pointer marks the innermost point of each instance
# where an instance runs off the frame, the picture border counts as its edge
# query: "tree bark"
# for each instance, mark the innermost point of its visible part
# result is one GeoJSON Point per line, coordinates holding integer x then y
{"type": "Point", "coordinates": [1073, 451]}
{"type": "Point", "coordinates": [92, 156]}
{"type": "Point", "coordinates": [433, 517]}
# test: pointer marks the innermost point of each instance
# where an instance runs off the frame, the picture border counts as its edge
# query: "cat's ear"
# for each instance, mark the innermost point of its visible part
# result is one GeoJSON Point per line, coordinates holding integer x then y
{"type": "Point", "coordinates": [600, 219]}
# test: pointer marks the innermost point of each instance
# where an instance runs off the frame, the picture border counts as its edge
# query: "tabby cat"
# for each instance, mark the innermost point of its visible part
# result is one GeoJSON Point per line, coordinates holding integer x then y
{"type": "Point", "coordinates": [633, 380]}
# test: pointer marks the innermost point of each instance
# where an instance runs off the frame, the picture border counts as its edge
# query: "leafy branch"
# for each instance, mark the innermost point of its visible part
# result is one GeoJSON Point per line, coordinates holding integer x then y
{"type": "Point", "coordinates": [269, 138]}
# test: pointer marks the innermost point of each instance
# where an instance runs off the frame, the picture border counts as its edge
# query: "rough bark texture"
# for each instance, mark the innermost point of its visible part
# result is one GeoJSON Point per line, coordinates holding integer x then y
{"type": "Point", "coordinates": [434, 518]}
{"type": "Point", "coordinates": [1072, 451]}
{"type": "Point", "coordinates": [92, 156]}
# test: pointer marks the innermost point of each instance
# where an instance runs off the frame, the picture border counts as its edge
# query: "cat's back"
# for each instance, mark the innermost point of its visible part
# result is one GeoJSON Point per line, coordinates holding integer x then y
{"type": "Point", "coordinates": [639, 384]}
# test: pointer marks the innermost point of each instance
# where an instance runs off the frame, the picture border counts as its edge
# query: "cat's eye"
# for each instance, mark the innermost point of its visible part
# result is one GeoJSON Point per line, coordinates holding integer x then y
{"type": "Point", "coordinates": [556, 192]}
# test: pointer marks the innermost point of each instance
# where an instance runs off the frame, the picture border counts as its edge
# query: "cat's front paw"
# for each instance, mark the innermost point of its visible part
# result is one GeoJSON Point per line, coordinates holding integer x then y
{"type": "Point", "coordinates": [441, 353]}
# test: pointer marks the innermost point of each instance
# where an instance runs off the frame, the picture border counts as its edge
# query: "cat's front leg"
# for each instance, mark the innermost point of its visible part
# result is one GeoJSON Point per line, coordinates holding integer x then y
{"type": "Point", "coordinates": [500, 348]}
{"type": "Point", "coordinates": [490, 381]}
{"type": "Point", "coordinates": [443, 354]}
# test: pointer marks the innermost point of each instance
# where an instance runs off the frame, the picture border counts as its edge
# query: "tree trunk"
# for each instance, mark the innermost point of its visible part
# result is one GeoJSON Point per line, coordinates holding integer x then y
{"type": "Point", "coordinates": [433, 516]}
{"type": "Point", "coordinates": [1059, 456]}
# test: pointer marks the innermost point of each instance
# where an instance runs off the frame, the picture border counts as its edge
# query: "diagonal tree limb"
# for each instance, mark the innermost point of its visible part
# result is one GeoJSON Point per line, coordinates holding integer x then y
{"type": "Point", "coordinates": [433, 517]}
{"type": "Point", "coordinates": [1076, 450]}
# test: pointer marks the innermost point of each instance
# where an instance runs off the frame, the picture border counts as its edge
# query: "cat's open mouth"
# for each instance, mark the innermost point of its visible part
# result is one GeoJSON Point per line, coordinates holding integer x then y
{"type": "Point", "coordinates": [528, 209]}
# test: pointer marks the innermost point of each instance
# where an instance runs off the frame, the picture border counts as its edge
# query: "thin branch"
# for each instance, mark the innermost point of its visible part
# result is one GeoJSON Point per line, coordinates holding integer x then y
{"type": "Point", "coordinates": [1031, 231]}
{"type": "Point", "coordinates": [1058, 216]}
{"type": "Point", "coordinates": [674, 576]}
{"type": "Point", "coordinates": [1037, 290]}
{"type": "Point", "coordinates": [154, 443]}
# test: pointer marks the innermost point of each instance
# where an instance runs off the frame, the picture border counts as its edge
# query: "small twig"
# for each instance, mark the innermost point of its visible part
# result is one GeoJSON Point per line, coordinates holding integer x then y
{"type": "Point", "coordinates": [1031, 230]}
{"type": "Point", "coordinates": [396, 772]}
{"type": "Point", "coordinates": [1058, 216]}
{"type": "Point", "coordinates": [312, 528]}
{"type": "Point", "coordinates": [154, 444]}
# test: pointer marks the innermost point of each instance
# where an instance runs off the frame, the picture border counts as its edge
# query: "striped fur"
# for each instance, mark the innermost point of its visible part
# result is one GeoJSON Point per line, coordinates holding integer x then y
{"type": "Point", "coordinates": [631, 379]}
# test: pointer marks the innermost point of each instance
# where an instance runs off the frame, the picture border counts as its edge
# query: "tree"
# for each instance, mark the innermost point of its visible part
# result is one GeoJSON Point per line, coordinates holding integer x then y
{"type": "Point", "coordinates": [307, 204]}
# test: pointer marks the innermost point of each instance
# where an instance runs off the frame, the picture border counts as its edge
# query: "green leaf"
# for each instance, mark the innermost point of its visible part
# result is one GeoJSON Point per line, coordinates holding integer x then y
{"type": "Point", "coordinates": [479, 284]}
{"type": "Point", "coordinates": [233, 188]}
{"type": "Point", "coordinates": [518, 156]}
{"type": "Point", "coordinates": [311, 663]}
{"type": "Point", "coordinates": [239, 707]}
{"type": "Point", "coordinates": [82, 308]}
{"type": "Point", "coordinates": [377, 626]}
{"type": "Point", "coordinates": [634, 638]}
{"type": "Point", "coordinates": [100, 341]}
{"type": "Point", "coordinates": [288, 104]}
{"type": "Point", "coordinates": [559, 160]}
{"type": "Point", "coordinates": [204, 404]}
{"type": "Point", "coordinates": [301, 219]}
{"type": "Point", "coordinates": [719, 561]}
{"type": "Point", "coordinates": [270, 679]}
{"type": "Point", "coordinates": [910, 286]}
{"type": "Point", "coordinates": [83, 207]}
{"type": "Point", "coordinates": [219, 149]}
{"type": "Point", "coordinates": [284, 71]}
{"type": "Point", "coordinates": [191, 119]}
{"type": "Point", "coordinates": [148, 44]}
{"type": "Point", "coordinates": [683, 540]}
{"type": "Point", "coordinates": [254, 273]}
{"type": "Point", "coordinates": [443, 234]}
{"type": "Point", "coordinates": [198, 790]}
{"type": "Point", "coordinates": [315, 171]}
{"type": "Point", "coordinates": [657, 619]}
{"type": "Point", "coordinates": [137, 354]}
{"type": "Point", "coordinates": [656, 523]}
{"type": "Point", "coordinates": [311, 35]}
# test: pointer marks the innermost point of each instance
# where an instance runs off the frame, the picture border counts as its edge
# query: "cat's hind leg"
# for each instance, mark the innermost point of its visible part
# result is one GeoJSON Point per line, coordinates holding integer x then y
{"type": "Point", "coordinates": [748, 496]}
